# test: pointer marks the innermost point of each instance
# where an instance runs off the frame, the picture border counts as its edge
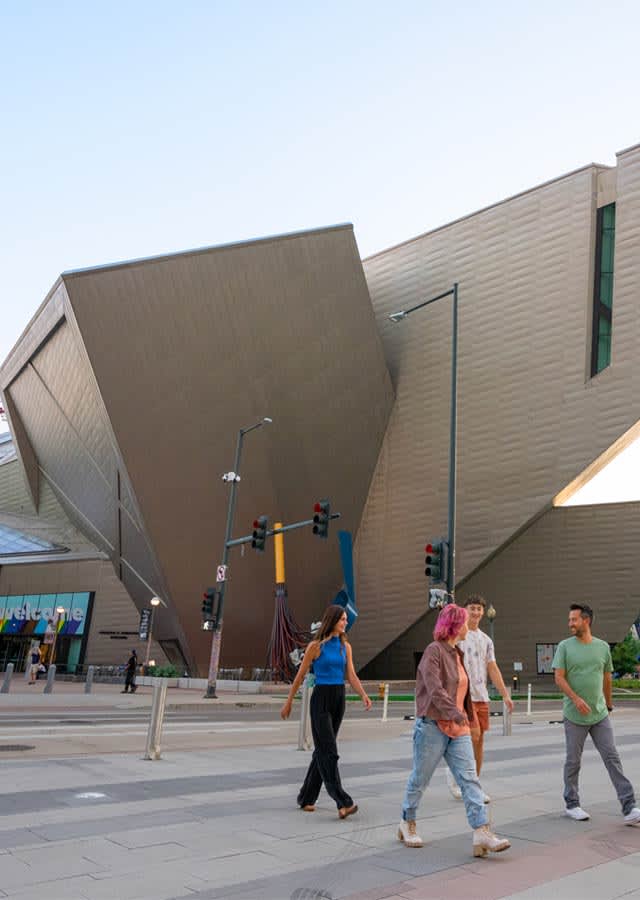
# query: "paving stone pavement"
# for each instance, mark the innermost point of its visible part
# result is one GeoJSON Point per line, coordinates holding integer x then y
{"type": "Point", "coordinates": [201, 825]}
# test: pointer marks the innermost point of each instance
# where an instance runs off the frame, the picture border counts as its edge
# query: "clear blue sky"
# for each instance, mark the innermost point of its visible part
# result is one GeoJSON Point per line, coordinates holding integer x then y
{"type": "Point", "coordinates": [137, 128]}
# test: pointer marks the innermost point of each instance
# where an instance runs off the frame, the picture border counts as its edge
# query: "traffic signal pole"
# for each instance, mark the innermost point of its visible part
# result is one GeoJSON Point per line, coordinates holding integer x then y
{"type": "Point", "coordinates": [214, 659]}
{"type": "Point", "coordinates": [453, 448]}
{"type": "Point", "coordinates": [279, 529]}
{"type": "Point", "coordinates": [453, 425]}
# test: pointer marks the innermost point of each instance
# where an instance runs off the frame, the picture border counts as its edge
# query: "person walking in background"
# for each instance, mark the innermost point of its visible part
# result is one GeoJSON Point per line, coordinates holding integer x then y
{"type": "Point", "coordinates": [480, 663]}
{"type": "Point", "coordinates": [130, 673]}
{"type": "Point", "coordinates": [35, 660]}
{"type": "Point", "coordinates": [582, 668]}
{"type": "Point", "coordinates": [330, 659]}
{"type": "Point", "coordinates": [444, 714]}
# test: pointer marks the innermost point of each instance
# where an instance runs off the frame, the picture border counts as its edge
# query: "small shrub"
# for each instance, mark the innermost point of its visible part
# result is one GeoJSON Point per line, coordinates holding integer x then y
{"type": "Point", "coordinates": [625, 656]}
{"type": "Point", "coordinates": [169, 671]}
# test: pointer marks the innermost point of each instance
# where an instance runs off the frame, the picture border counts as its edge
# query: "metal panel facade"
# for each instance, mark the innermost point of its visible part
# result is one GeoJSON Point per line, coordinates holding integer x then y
{"type": "Point", "coordinates": [530, 419]}
{"type": "Point", "coordinates": [158, 364]}
{"type": "Point", "coordinates": [568, 555]}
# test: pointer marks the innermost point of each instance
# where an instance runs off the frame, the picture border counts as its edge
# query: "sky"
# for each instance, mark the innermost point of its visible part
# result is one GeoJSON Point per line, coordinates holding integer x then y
{"type": "Point", "coordinates": [137, 128]}
{"type": "Point", "coordinates": [617, 482]}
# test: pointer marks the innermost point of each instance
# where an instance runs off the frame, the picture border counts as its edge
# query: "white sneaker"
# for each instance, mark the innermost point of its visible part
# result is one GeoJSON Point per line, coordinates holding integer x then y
{"type": "Point", "coordinates": [633, 817]}
{"type": "Point", "coordinates": [408, 835]}
{"type": "Point", "coordinates": [453, 785]}
{"type": "Point", "coordinates": [577, 813]}
{"type": "Point", "coordinates": [485, 841]}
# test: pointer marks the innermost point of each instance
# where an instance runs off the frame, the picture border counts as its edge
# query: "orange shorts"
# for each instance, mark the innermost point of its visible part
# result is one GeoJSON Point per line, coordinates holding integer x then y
{"type": "Point", "coordinates": [481, 710]}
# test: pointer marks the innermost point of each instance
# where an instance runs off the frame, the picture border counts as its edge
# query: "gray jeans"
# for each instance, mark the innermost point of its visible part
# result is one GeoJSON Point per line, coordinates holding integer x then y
{"type": "Point", "coordinates": [602, 736]}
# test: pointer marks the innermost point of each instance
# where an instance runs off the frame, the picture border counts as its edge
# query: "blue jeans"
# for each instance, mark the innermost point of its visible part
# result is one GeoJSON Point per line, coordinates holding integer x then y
{"type": "Point", "coordinates": [430, 745]}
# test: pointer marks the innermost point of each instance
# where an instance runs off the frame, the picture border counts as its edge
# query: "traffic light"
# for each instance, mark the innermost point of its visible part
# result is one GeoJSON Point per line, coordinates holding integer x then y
{"type": "Point", "coordinates": [321, 512]}
{"type": "Point", "coordinates": [208, 600]}
{"type": "Point", "coordinates": [434, 562]}
{"type": "Point", "coordinates": [259, 533]}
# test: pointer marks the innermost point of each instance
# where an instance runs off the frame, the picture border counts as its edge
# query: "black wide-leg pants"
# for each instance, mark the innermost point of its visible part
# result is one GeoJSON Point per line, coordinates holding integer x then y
{"type": "Point", "coordinates": [327, 712]}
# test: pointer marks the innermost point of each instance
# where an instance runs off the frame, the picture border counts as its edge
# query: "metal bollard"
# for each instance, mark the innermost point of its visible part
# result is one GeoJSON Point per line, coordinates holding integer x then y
{"type": "Point", "coordinates": [51, 677]}
{"type": "Point", "coordinates": [304, 741]}
{"type": "Point", "coordinates": [506, 718]}
{"type": "Point", "coordinates": [528, 699]}
{"type": "Point", "coordinates": [89, 680]}
{"type": "Point", "coordinates": [152, 750]}
{"type": "Point", "coordinates": [6, 684]}
{"type": "Point", "coordinates": [385, 702]}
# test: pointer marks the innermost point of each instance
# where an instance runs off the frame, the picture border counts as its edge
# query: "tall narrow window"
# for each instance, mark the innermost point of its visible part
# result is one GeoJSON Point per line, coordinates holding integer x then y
{"type": "Point", "coordinates": [603, 289]}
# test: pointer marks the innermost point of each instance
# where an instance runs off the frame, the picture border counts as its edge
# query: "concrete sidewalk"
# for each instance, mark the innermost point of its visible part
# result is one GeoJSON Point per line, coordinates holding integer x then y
{"type": "Point", "coordinates": [224, 824]}
{"type": "Point", "coordinates": [70, 695]}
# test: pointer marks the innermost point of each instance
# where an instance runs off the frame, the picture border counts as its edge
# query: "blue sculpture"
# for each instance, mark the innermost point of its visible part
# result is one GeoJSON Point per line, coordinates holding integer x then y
{"type": "Point", "coordinates": [346, 596]}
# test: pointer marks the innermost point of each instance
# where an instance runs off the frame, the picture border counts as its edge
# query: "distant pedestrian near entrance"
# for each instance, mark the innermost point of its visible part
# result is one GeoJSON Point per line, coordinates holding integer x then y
{"type": "Point", "coordinates": [329, 658]}
{"type": "Point", "coordinates": [35, 660]}
{"type": "Point", "coordinates": [582, 667]}
{"type": "Point", "coordinates": [130, 673]}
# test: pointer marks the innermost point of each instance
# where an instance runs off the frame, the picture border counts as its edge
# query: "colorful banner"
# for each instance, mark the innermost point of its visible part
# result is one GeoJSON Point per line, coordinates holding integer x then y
{"type": "Point", "coordinates": [37, 614]}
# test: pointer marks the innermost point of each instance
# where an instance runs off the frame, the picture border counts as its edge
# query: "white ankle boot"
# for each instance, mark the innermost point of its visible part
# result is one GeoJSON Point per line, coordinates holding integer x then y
{"type": "Point", "coordinates": [408, 835]}
{"type": "Point", "coordinates": [485, 841]}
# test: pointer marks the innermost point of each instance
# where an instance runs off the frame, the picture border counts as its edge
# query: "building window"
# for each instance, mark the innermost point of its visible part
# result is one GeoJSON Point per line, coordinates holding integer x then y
{"type": "Point", "coordinates": [603, 289]}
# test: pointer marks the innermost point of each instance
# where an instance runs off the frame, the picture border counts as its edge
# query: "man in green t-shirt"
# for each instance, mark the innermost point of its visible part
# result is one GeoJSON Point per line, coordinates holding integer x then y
{"type": "Point", "coordinates": [583, 667]}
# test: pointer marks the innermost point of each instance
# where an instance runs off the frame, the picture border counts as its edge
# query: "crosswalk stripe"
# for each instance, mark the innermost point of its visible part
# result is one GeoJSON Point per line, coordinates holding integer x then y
{"type": "Point", "coordinates": [54, 734]}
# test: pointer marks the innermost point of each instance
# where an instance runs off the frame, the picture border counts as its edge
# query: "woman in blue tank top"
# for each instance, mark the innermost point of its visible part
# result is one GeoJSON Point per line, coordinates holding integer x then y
{"type": "Point", "coordinates": [329, 658]}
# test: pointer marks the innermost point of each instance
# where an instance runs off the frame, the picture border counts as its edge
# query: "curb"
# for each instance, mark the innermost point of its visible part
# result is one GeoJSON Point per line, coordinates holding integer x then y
{"type": "Point", "coordinates": [208, 705]}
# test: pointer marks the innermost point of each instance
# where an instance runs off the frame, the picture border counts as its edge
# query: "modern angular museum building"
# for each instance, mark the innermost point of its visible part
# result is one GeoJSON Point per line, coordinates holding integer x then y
{"type": "Point", "coordinates": [126, 391]}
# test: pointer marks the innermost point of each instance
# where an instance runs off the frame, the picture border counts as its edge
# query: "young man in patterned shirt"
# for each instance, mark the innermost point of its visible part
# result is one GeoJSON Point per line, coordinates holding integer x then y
{"type": "Point", "coordinates": [480, 662]}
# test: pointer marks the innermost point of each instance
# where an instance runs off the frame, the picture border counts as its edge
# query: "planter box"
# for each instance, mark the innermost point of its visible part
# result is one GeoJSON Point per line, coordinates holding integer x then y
{"type": "Point", "coordinates": [149, 681]}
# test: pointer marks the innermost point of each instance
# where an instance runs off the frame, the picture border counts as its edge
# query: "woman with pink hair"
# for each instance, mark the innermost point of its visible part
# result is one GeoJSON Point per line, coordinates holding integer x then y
{"type": "Point", "coordinates": [444, 716]}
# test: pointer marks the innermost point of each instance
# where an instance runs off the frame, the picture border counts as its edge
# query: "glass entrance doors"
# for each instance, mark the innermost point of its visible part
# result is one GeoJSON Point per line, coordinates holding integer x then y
{"type": "Point", "coordinates": [14, 650]}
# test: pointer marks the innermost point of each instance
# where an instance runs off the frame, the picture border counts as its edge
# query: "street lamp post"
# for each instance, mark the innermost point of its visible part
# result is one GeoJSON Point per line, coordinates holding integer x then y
{"type": "Point", "coordinates": [453, 424]}
{"type": "Point", "coordinates": [60, 611]}
{"type": "Point", "coordinates": [491, 614]}
{"type": "Point", "coordinates": [234, 478]}
{"type": "Point", "coordinates": [155, 601]}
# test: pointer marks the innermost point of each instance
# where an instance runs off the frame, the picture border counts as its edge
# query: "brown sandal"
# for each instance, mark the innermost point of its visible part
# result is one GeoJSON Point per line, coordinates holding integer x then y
{"type": "Point", "coordinates": [348, 811]}
{"type": "Point", "coordinates": [308, 808]}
